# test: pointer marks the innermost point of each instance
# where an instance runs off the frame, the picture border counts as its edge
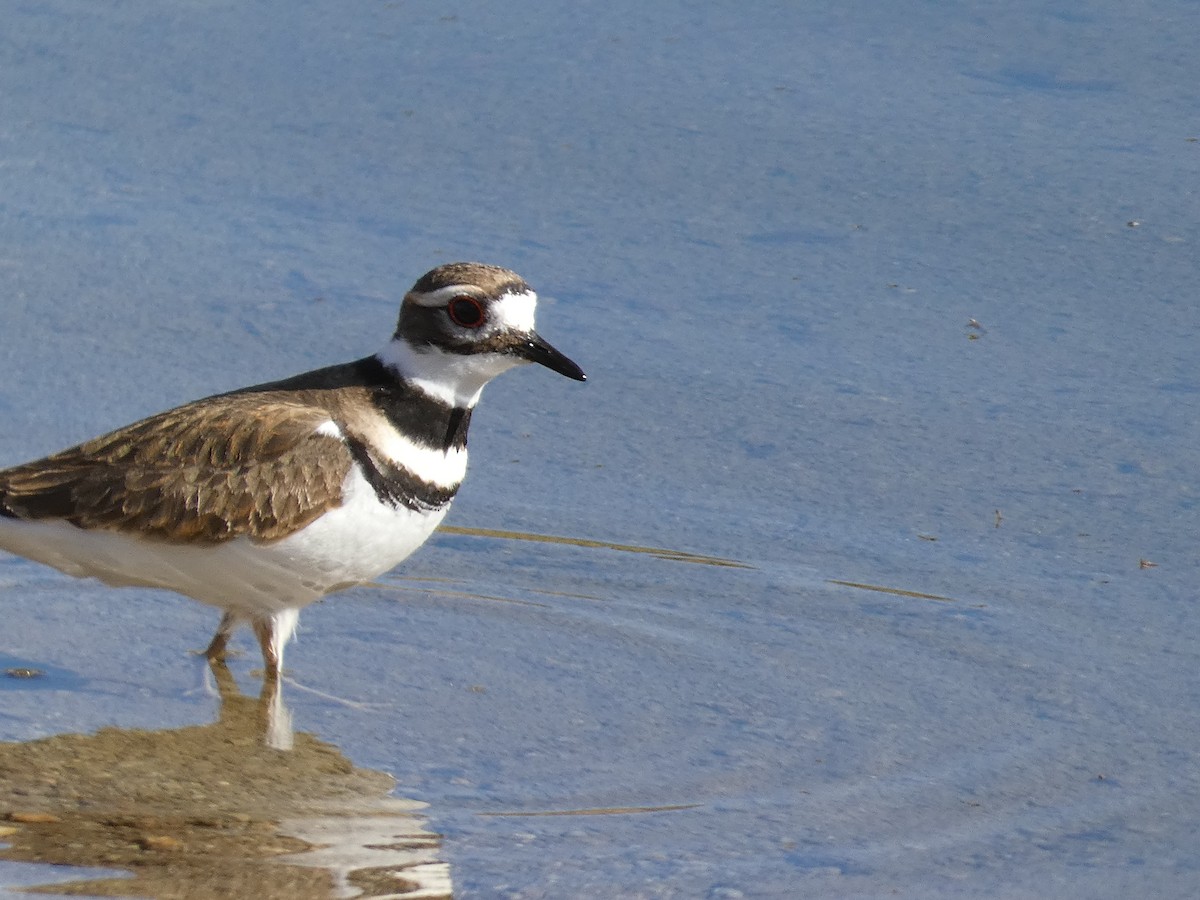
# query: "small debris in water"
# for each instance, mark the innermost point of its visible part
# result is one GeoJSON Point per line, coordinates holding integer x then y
{"type": "Point", "coordinates": [33, 818]}
{"type": "Point", "coordinates": [160, 842]}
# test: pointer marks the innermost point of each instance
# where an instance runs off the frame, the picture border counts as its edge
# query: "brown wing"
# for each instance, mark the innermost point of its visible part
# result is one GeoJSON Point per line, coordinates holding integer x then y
{"type": "Point", "coordinates": [203, 473]}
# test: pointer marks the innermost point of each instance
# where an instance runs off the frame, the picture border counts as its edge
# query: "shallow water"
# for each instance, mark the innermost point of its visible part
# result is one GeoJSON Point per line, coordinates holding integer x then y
{"type": "Point", "coordinates": [889, 317]}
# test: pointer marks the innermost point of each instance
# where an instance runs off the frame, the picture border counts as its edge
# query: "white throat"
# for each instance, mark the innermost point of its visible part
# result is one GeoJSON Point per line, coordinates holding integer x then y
{"type": "Point", "coordinates": [453, 378]}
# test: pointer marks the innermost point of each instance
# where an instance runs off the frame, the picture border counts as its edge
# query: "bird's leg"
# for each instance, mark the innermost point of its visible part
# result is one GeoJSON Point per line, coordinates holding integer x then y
{"type": "Point", "coordinates": [272, 652]}
{"type": "Point", "coordinates": [273, 633]}
{"type": "Point", "coordinates": [216, 647]}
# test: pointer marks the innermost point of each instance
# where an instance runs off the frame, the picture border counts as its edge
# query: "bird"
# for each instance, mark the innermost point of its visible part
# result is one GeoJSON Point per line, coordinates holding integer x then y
{"type": "Point", "coordinates": [262, 500]}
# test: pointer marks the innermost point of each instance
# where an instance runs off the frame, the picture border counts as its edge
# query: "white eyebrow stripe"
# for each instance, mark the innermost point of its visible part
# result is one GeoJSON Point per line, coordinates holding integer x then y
{"type": "Point", "coordinates": [444, 295]}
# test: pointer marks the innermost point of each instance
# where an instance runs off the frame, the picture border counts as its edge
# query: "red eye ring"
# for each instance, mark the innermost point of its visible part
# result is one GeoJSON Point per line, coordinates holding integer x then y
{"type": "Point", "coordinates": [465, 311]}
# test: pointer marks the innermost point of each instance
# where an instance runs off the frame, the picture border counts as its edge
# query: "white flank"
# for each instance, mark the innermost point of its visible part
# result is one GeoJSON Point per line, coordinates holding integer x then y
{"type": "Point", "coordinates": [354, 543]}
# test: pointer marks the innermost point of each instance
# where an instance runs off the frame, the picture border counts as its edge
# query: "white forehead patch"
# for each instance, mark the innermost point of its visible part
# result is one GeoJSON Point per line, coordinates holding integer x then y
{"type": "Point", "coordinates": [514, 312]}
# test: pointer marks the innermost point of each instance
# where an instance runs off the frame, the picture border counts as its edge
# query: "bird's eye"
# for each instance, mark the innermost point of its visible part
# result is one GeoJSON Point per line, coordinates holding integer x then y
{"type": "Point", "coordinates": [465, 311]}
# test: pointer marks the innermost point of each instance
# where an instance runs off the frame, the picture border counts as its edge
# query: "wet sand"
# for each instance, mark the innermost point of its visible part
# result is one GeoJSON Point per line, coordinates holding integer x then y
{"type": "Point", "coordinates": [214, 811]}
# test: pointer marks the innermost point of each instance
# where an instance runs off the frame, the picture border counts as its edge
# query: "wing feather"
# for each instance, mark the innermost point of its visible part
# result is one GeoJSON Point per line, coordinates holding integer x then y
{"type": "Point", "coordinates": [203, 473]}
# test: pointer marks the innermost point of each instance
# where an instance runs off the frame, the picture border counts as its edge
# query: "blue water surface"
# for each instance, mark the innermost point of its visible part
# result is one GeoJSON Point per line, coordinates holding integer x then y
{"type": "Point", "coordinates": [896, 296]}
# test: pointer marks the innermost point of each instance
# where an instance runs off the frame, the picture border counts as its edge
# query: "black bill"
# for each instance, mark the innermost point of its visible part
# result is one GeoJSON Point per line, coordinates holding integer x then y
{"type": "Point", "coordinates": [537, 350]}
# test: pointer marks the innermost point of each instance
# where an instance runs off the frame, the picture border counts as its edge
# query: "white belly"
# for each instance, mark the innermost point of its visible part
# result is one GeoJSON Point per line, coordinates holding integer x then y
{"type": "Point", "coordinates": [354, 543]}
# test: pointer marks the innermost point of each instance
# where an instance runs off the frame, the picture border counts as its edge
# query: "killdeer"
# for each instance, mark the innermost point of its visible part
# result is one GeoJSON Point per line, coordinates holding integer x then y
{"type": "Point", "coordinates": [265, 499]}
